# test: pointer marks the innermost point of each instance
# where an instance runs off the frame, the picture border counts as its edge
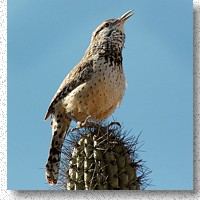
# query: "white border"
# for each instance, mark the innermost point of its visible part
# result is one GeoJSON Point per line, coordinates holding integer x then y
{"type": "Point", "coordinates": [10, 195]}
{"type": "Point", "coordinates": [3, 97]}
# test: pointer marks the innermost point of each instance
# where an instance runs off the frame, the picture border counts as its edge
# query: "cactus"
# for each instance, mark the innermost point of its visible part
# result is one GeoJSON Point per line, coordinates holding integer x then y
{"type": "Point", "coordinates": [101, 158]}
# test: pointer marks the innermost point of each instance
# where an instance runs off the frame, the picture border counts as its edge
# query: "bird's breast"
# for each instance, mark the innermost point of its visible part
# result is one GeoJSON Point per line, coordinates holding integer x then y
{"type": "Point", "coordinates": [100, 95]}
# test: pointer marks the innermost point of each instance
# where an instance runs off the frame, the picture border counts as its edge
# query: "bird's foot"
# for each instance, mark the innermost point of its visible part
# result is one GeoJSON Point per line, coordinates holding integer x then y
{"type": "Point", "coordinates": [88, 123]}
{"type": "Point", "coordinates": [92, 123]}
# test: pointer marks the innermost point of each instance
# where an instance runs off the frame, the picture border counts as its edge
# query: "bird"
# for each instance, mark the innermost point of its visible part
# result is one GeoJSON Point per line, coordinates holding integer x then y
{"type": "Point", "coordinates": [94, 88]}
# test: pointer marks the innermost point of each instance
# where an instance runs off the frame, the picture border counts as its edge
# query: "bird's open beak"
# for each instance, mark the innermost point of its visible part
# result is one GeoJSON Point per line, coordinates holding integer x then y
{"type": "Point", "coordinates": [125, 16]}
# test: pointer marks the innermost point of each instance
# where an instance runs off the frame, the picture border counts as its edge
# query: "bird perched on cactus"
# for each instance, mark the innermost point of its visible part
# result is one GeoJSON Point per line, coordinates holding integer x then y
{"type": "Point", "coordinates": [94, 88]}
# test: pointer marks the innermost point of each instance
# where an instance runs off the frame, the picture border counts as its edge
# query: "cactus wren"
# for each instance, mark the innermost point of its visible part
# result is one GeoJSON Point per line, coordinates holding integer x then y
{"type": "Point", "coordinates": [94, 87]}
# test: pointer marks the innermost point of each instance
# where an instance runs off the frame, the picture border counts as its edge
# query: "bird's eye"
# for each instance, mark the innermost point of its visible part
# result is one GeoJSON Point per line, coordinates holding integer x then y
{"type": "Point", "coordinates": [106, 25]}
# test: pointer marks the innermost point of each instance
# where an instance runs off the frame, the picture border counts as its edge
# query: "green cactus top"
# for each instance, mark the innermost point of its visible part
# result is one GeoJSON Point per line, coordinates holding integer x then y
{"type": "Point", "coordinates": [101, 158]}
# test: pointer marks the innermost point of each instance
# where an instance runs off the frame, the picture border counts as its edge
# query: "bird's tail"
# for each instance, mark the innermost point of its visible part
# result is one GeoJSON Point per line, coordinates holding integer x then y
{"type": "Point", "coordinates": [60, 125]}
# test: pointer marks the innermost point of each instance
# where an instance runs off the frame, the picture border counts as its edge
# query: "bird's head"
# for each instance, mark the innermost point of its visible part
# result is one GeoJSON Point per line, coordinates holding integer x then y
{"type": "Point", "coordinates": [110, 26]}
{"type": "Point", "coordinates": [108, 36]}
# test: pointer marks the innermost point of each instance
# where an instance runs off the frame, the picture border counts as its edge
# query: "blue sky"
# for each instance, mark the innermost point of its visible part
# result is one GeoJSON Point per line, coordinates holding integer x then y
{"type": "Point", "coordinates": [46, 39]}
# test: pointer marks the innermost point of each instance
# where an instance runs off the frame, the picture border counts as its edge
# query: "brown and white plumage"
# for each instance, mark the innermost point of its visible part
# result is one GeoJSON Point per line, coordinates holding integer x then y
{"type": "Point", "coordinates": [94, 87]}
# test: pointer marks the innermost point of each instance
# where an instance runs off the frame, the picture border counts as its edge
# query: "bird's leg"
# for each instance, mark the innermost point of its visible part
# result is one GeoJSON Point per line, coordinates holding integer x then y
{"type": "Point", "coordinates": [72, 117]}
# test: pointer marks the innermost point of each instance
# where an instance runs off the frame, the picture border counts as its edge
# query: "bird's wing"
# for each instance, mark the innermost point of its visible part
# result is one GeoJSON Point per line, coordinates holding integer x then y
{"type": "Point", "coordinates": [79, 75]}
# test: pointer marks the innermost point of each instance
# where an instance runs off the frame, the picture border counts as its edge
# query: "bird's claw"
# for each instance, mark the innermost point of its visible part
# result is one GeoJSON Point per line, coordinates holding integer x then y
{"type": "Point", "coordinates": [89, 122]}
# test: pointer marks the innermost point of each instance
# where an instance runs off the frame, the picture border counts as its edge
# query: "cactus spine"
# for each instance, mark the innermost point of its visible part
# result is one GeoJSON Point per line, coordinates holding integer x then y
{"type": "Point", "coordinates": [101, 158]}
